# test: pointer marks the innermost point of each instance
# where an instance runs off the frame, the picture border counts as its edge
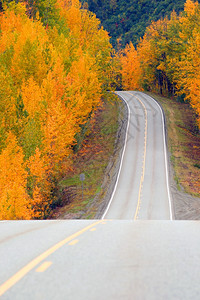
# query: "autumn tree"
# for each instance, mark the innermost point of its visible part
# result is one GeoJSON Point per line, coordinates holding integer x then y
{"type": "Point", "coordinates": [168, 57]}
{"type": "Point", "coordinates": [55, 65]}
{"type": "Point", "coordinates": [188, 77]}
{"type": "Point", "coordinates": [14, 201]}
{"type": "Point", "coordinates": [131, 69]}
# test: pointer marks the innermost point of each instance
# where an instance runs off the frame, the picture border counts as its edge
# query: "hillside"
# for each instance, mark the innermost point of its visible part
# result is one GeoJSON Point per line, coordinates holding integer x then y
{"type": "Point", "coordinates": [127, 20]}
{"type": "Point", "coordinates": [53, 75]}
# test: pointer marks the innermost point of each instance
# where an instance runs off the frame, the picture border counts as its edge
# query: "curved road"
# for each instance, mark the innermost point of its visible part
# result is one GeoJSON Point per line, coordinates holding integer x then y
{"type": "Point", "coordinates": [87, 260]}
{"type": "Point", "coordinates": [142, 189]}
{"type": "Point", "coordinates": [111, 259]}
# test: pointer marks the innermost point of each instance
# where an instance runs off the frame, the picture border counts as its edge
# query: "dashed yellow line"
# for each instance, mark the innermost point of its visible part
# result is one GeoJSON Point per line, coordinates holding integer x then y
{"type": "Point", "coordinates": [144, 160]}
{"type": "Point", "coordinates": [44, 266]}
{"type": "Point", "coordinates": [93, 229]}
{"type": "Point", "coordinates": [74, 242]}
{"type": "Point", "coordinates": [21, 273]}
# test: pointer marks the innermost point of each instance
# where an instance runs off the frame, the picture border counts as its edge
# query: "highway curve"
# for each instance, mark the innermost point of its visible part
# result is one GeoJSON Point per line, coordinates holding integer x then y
{"type": "Point", "coordinates": [87, 260]}
{"type": "Point", "coordinates": [142, 189]}
{"type": "Point", "coordinates": [141, 254]}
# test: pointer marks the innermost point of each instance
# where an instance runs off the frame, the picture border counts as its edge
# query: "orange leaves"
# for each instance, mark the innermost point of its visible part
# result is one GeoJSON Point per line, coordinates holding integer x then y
{"type": "Point", "coordinates": [54, 85]}
{"type": "Point", "coordinates": [29, 50]}
{"type": "Point", "coordinates": [71, 12]}
{"type": "Point", "coordinates": [84, 90]}
{"type": "Point", "coordinates": [87, 37]}
{"type": "Point", "coordinates": [190, 7]}
{"type": "Point", "coordinates": [14, 201]}
{"type": "Point", "coordinates": [10, 23]}
{"type": "Point", "coordinates": [27, 41]}
{"type": "Point", "coordinates": [37, 166]}
{"type": "Point", "coordinates": [40, 187]}
{"type": "Point", "coordinates": [51, 82]}
{"type": "Point", "coordinates": [167, 59]}
{"type": "Point", "coordinates": [131, 70]}
{"type": "Point", "coordinates": [189, 65]}
{"type": "Point", "coordinates": [32, 97]}
{"type": "Point", "coordinates": [59, 131]}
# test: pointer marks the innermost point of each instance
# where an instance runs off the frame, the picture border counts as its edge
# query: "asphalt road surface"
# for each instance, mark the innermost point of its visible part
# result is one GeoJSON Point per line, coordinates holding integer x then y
{"type": "Point", "coordinates": [89, 260]}
{"type": "Point", "coordinates": [132, 258]}
{"type": "Point", "coordinates": [142, 189]}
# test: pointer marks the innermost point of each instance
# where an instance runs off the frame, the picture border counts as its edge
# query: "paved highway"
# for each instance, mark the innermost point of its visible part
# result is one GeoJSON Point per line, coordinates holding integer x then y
{"type": "Point", "coordinates": [142, 189]}
{"type": "Point", "coordinates": [111, 259]}
{"type": "Point", "coordinates": [89, 260]}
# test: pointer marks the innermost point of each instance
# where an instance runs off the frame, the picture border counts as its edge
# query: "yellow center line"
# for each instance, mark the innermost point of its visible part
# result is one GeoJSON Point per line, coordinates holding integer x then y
{"type": "Point", "coordinates": [44, 266]}
{"type": "Point", "coordinates": [21, 273]}
{"type": "Point", "coordinates": [74, 242]}
{"type": "Point", "coordinates": [93, 229]}
{"type": "Point", "coordinates": [144, 159]}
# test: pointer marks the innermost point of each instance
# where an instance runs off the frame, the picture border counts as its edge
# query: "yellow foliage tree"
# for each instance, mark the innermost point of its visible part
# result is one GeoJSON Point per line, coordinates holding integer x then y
{"type": "Point", "coordinates": [168, 57]}
{"type": "Point", "coordinates": [84, 88]}
{"type": "Point", "coordinates": [131, 70]}
{"type": "Point", "coordinates": [14, 201]}
{"type": "Point", "coordinates": [52, 78]}
{"type": "Point", "coordinates": [39, 186]}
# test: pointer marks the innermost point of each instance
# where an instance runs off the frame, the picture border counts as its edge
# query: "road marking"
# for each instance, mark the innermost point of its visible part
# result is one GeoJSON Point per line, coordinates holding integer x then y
{"type": "Point", "coordinates": [166, 160]}
{"type": "Point", "coordinates": [44, 266]}
{"type": "Point", "coordinates": [165, 155]}
{"type": "Point", "coordinates": [74, 242]}
{"type": "Point", "coordinates": [93, 229]}
{"type": "Point", "coordinates": [144, 159]}
{"type": "Point", "coordinates": [21, 273]}
{"type": "Point", "coordinates": [120, 167]}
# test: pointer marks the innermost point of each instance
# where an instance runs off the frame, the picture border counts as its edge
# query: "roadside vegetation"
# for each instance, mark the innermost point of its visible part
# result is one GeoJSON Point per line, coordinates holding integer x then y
{"type": "Point", "coordinates": [167, 58]}
{"type": "Point", "coordinates": [183, 143]}
{"type": "Point", "coordinates": [166, 62]}
{"type": "Point", "coordinates": [126, 20]}
{"type": "Point", "coordinates": [57, 117]}
{"type": "Point", "coordinates": [91, 159]}
{"type": "Point", "coordinates": [55, 69]}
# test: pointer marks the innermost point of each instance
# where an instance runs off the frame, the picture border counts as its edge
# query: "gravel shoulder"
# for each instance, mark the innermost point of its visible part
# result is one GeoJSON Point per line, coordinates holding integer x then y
{"type": "Point", "coordinates": [185, 206]}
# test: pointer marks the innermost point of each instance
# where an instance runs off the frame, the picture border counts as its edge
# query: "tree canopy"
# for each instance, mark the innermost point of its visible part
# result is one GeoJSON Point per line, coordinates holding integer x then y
{"type": "Point", "coordinates": [126, 20]}
{"type": "Point", "coordinates": [167, 58]}
{"type": "Point", "coordinates": [53, 73]}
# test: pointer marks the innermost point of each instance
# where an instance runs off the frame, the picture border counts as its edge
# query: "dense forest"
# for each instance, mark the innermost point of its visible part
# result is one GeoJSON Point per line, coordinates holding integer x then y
{"type": "Point", "coordinates": [55, 65]}
{"type": "Point", "coordinates": [167, 58]}
{"type": "Point", "coordinates": [126, 20]}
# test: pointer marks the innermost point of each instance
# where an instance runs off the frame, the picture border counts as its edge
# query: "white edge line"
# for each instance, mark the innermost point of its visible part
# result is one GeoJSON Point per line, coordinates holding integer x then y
{"type": "Point", "coordinates": [115, 187]}
{"type": "Point", "coordinates": [166, 160]}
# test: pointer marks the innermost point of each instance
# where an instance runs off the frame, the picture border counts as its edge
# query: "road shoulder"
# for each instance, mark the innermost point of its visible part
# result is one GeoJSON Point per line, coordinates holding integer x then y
{"type": "Point", "coordinates": [183, 146]}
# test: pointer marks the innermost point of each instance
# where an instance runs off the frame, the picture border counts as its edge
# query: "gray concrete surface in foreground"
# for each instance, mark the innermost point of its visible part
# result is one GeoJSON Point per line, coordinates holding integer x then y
{"type": "Point", "coordinates": [116, 260]}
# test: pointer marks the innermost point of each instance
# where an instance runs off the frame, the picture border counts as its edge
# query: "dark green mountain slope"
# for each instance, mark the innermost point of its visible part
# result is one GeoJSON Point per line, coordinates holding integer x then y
{"type": "Point", "coordinates": [128, 19]}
